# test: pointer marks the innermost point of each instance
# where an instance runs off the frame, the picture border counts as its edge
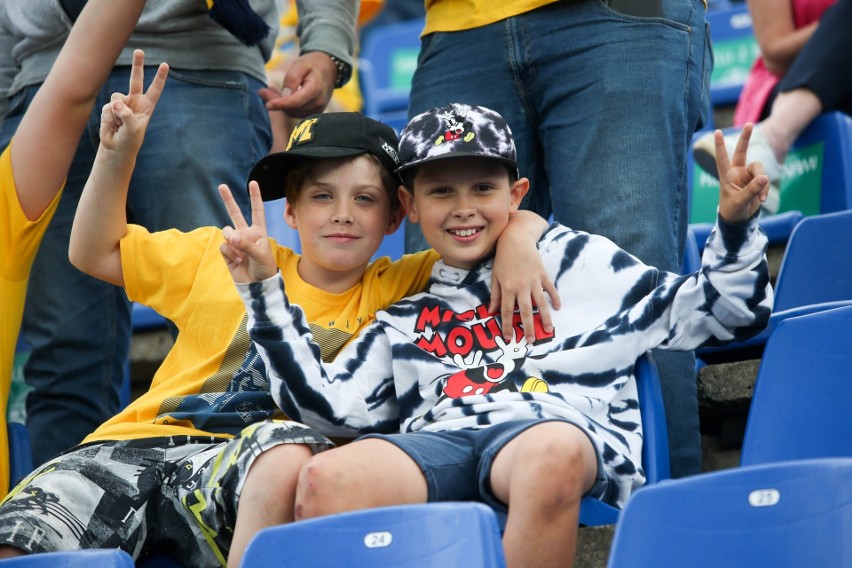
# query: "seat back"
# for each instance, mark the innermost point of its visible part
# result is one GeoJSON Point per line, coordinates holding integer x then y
{"type": "Point", "coordinates": [20, 453]}
{"type": "Point", "coordinates": [387, 61]}
{"type": "Point", "coordinates": [426, 535]}
{"type": "Point", "coordinates": [734, 52]}
{"type": "Point", "coordinates": [655, 447]}
{"type": "Point", "coordinates": [817, 264]}
{"type": "Point", "coordinates": [795, 513]}
{"type": "Point", "coordinates": [799, 408]}
{"type": "Point", "coordinates": [91, 558]}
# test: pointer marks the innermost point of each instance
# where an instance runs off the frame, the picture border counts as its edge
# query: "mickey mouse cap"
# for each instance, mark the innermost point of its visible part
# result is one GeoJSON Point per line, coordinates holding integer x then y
{"type": "Point", "coordinates": [453, 131]}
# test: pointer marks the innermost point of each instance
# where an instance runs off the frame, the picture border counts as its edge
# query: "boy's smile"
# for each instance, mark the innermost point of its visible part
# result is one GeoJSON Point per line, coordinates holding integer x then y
{"type": "Point", "coordinates": [462, 205]}
{"type": "Point", "coordinates": [342, 214]}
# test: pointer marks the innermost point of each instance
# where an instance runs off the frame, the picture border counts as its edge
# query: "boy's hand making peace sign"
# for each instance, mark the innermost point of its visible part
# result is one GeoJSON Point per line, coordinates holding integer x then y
{"type": "Point", "coordinates": [246, 249]}
{"type": "Point", "coordinates": [742, 187]}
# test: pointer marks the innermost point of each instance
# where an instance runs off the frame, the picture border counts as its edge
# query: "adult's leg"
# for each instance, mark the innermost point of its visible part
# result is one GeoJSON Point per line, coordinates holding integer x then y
{"type": "Point", "coordinates": [542, 475]}
{"type": "Point", "coordinates": [816, 82]}
{"type": "Point", "coordinates": [76, 326]}
{"type": "Point", "coordinates": [615, 134]}
{"type": "Point", "coordinates": [364, 474]}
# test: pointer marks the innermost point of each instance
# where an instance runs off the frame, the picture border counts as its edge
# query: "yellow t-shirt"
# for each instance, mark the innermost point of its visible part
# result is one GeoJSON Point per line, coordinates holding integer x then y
{"type": "Point", "coordinates": [455, 15]}
{"type": "Point", "coordinates": [209, 382]}
{"type": "Point", "coordinates": [19, 241]}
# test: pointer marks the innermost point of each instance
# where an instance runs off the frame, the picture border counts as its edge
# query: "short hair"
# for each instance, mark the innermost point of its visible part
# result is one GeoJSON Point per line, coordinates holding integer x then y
{"type": "Point", "coordinates": [300, 174]}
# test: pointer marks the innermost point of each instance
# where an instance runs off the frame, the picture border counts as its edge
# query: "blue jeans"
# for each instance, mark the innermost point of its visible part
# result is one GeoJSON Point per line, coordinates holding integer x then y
{"type": "Point", "coordinates": [603, 107]}
{"type": "Point", "coordinates": [209, 128]}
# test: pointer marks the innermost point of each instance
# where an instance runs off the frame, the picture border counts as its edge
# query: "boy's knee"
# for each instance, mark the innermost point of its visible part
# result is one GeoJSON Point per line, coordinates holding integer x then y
{"type": "Point", "coordinates": [558, 468]}
{"type": "Point", "coordinates": [323, 486]}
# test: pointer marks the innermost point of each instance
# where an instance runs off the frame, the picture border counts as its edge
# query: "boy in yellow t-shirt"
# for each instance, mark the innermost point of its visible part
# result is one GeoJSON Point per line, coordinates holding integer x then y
{"type": "Point", "coordinates": [34, 165]}
{"type": "Point", "coordinates": [203, 460]}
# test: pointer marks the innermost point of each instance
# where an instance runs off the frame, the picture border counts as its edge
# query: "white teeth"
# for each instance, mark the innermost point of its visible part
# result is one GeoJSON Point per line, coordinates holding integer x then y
{"type": "Point", "coordinates": [465, 232]}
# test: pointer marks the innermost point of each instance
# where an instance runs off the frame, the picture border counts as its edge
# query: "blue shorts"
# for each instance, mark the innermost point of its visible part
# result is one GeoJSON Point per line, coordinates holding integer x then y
{"type": "Point", "coordinates": [457, 463]}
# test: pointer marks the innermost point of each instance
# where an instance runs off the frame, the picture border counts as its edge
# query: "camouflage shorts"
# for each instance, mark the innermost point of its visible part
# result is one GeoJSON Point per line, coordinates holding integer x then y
{"type": "Point", "coordinates": [177, 495]}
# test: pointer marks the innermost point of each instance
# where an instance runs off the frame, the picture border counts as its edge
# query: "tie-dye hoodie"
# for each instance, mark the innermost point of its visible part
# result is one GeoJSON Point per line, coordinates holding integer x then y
{"type": "Point", "coordinates": [436, 361]}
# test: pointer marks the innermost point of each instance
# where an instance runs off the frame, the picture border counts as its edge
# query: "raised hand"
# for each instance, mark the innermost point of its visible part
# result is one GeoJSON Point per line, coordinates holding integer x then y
{"type": "Point", "coordinates": [125, 118]}
{"type": "Point", "coordinates": [246, 249]}
{"type": "Point", "coordinates": [742, 187]}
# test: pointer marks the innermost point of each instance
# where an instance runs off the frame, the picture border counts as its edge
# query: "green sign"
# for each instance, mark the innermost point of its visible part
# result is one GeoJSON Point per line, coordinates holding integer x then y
{"type": "Point", "coordinates": [733, 59]}
{"type": "Point", "coordinates": [403, 64]}
{"type": "Point", "coordinates": [801, 186]}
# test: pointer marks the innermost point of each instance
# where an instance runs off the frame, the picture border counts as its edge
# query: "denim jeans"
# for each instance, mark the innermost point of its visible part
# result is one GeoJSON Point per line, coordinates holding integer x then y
{"type": "Point", "coordinates": [209, 128]}
{"type": "Point", "coordinates": [603, 106]}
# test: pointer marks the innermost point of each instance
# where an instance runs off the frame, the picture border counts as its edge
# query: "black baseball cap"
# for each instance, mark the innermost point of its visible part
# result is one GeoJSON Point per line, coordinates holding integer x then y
{"type": "Point", "coordinates": [453, 131]}
{"type": "Point", "coordinates": [326, 135]}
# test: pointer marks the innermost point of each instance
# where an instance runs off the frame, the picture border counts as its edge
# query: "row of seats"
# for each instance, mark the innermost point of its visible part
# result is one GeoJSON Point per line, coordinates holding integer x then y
{"type": "Point", "coordinates": [789, 504]}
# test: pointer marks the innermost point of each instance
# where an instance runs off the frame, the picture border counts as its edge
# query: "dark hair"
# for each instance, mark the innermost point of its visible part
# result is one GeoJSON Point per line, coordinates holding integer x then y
{"type": "Point", "coordinates": [300, 174]}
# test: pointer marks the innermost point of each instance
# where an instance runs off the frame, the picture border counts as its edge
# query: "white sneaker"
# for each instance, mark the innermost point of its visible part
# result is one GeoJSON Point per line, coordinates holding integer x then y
{"type": "Point", "coordinates": [759, 150]}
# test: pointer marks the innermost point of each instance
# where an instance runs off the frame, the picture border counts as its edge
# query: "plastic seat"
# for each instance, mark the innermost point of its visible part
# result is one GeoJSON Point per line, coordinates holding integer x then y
{"type": "Point", "coordinates": [799, 409]}
{"type": "Point", "coordinates": [734, 51]}
{"type": "Point", "coordinates": [815, 275]}
{"type": "Point", "coordinates": [100, 558]}
{"type": "Point", "coordinates": [785, 514]}
{"type": "Point", "coordinates": [387, 61]}
{"type": "Point", "coordinates": [20, 453]}
{"type": "Point", "coordinates": [418, 536]}
{"type": "Point", "coordinates": [655, 447]}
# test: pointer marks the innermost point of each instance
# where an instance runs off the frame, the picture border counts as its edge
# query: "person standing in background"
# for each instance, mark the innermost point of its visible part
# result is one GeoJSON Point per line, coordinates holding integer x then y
{"type": "Point", "coordinates": [603, 97]}
{"type": "Point", "coordinates": [211, 126]}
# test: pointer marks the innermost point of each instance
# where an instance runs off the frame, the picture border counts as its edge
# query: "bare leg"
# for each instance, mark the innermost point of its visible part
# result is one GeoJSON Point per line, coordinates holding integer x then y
{"type": "Point", "coordinates": [791, 113]}
{"type": "Point", "coordinates": [361, 475]}
{"type": "Point", "coordinates": [7, 551]}
{"type": "Point", "coordinates": [542, 475]}
{"type": "Point", "coordinates": [268, 495]}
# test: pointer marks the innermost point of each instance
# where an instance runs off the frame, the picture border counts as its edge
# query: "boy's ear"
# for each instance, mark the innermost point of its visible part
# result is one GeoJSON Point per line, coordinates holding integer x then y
{"type": "Point", "coordinates": [407, 203]}
{"type": "Point", "coordinates": [519, 190]}
{"type": "Point", "coordinates": [396, 219]}
{"type": "Point", "coordinates": [290, 214]}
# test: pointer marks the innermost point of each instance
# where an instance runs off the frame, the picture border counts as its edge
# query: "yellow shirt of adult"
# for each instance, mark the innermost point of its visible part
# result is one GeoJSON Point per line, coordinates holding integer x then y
{"type": "Point", "coordinates": [19, 241]}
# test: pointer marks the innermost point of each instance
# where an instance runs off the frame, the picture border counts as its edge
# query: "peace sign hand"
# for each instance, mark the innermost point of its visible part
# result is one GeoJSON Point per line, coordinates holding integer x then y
{"type": "Point", "coordinates": [125, 118]}
{"type": "Point", "coordinates": [742, 187]}
{"type": "Point", "coordinates": [246, 249]}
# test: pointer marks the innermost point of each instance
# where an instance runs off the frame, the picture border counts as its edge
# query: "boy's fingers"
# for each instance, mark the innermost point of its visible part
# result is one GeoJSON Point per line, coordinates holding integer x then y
{"type": "Point", "coordinates": [739, 157]}
{"type": "Point", "coordinates": [156, 88]}
{"type": "Point", "coordinates": [258, 213]}
{"type": "Point", "coordinates": [137, 73]}
{"type": "Point", "coordinates": [233, 209]}
{"type": "Point", "coordinates": [723, 164]}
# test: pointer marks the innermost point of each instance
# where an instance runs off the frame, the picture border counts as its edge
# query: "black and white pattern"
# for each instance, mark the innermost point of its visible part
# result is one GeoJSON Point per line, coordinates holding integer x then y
{"type": "Point", "coordinates": [436, 361]}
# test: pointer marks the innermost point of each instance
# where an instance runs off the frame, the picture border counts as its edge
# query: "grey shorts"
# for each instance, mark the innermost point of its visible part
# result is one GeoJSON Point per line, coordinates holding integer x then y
{"type": "Point", "coordinates": [177, 495]}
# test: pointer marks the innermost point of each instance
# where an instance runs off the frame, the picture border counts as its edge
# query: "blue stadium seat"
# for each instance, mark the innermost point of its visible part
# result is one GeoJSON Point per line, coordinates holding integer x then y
{"type": "Point", "coordinates": [800, 406]}
{"type": "Point", "coordinates": [107, 558]}
{"type": "Point", "coordinates": [387, 61]}
{"type": "Point", "coordinates": [435, 535]}
{"type": "Point", "coordinates": [815, 275]}
{"type": "Point", "coordinates": [734, 51]}
{"type": "Point", "coordinates": [20, 453]}
{"type": "Point", "coordinates": [784, 514]}
{"type": "Point", "coordinates": [655, 449]}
